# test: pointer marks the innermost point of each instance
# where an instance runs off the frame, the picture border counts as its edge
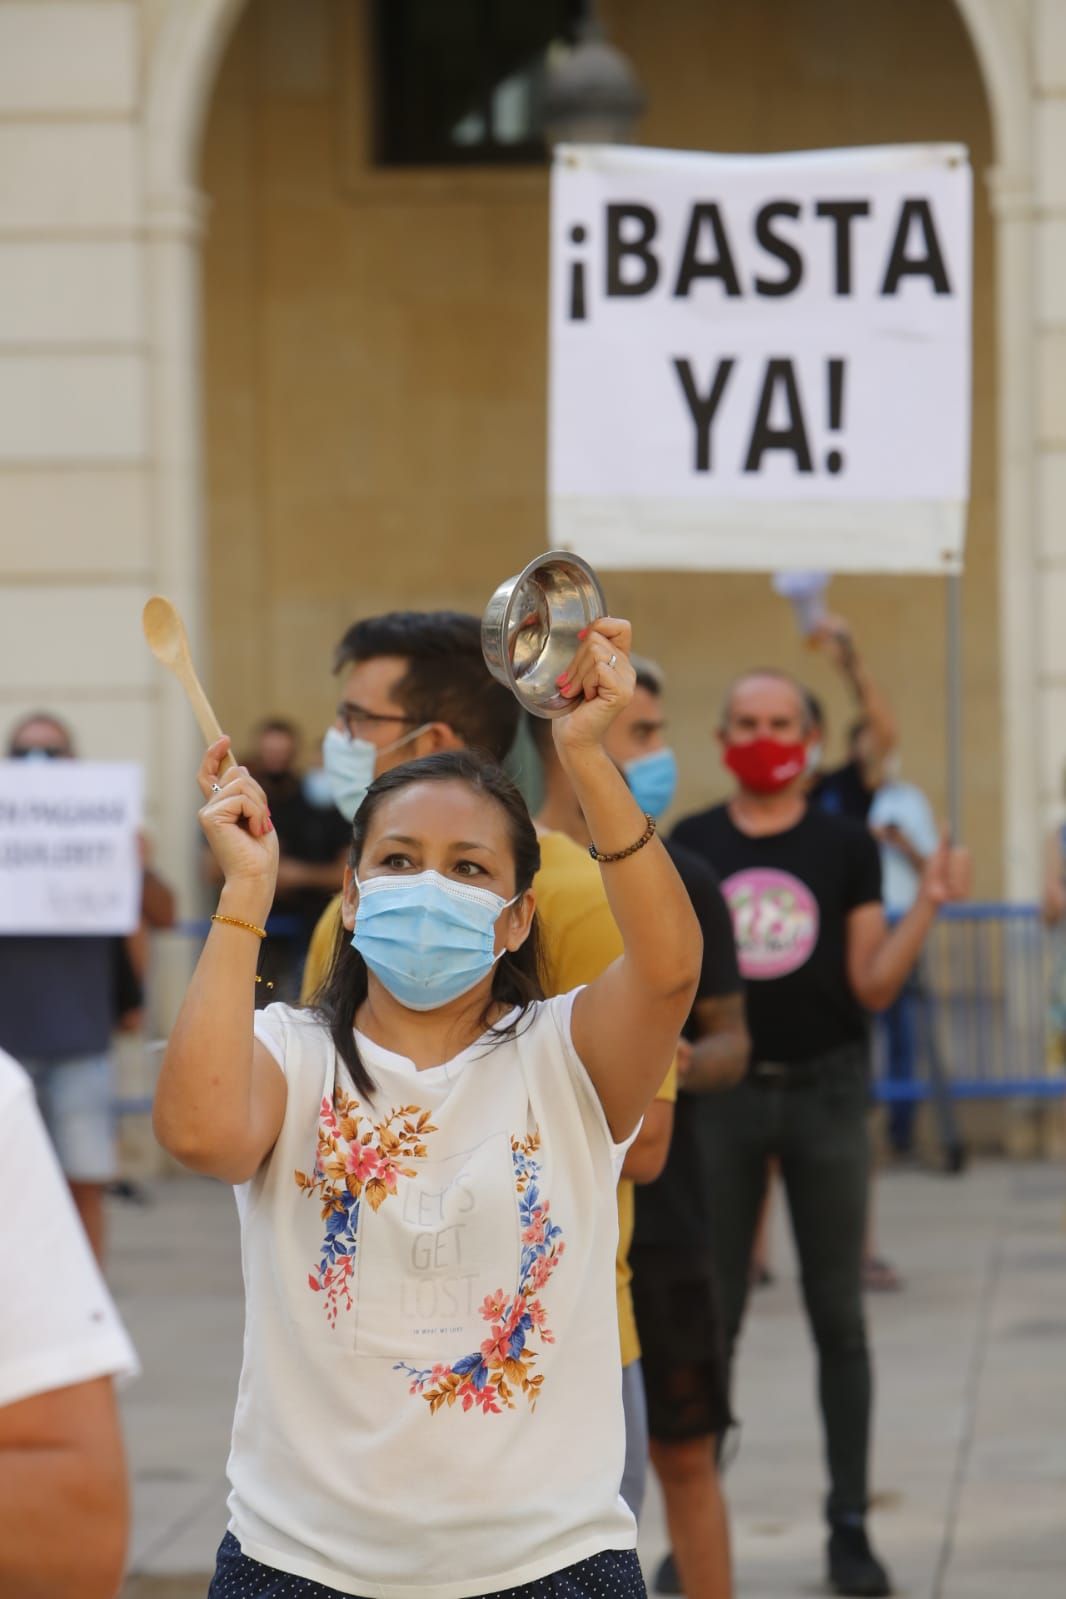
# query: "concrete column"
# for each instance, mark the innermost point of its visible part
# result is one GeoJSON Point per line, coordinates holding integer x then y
{"type": "Point", "coordinates": [174, 224]}
{"type": "Point", "coordinates": [1049, 462]}
{"type": "Point", "coordinates": [75, 551]}
{"type": "Point", "coordinates": [186, 44]}
{"type": "Point", "coordinates": [1012, 207]}
{"type": "Point", "coordinates": [1002, 32]}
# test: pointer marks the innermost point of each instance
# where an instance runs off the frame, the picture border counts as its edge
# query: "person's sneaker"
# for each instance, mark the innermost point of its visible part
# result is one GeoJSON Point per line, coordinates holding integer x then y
{"type": "Point", "coordinates": [854, 1569]}
{"type": "Point", "coordinates": [666, 1578]}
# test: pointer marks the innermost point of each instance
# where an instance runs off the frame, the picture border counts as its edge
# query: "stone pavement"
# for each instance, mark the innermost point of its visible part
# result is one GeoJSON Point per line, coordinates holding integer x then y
{"type": "Point", "coordinates": [970, 1453]}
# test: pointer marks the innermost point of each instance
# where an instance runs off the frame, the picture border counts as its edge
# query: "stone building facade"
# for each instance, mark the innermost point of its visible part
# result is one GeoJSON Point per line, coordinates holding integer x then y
{"type": "Point", "coordinates": [244, 365]}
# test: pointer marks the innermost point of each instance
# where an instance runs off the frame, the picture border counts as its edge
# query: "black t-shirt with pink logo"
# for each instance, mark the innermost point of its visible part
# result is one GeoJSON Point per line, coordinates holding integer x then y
{"type": "Point", "coordinates": [790, 895]}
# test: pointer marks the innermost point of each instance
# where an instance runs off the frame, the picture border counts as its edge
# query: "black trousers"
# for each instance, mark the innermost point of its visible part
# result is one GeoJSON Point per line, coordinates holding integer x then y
{"type": "Point", "coordinates": [814, 1122]}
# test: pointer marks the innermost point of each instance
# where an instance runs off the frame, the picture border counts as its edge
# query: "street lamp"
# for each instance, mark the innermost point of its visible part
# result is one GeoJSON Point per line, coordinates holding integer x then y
{"type": "Point", "coordinates": [591, 93]}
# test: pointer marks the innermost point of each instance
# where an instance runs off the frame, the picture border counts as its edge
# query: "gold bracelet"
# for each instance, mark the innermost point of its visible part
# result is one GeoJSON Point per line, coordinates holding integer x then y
{"type": "Point", "coordinates": [231, 921]}
{"type": "Point", "coordinates": [622, 854]}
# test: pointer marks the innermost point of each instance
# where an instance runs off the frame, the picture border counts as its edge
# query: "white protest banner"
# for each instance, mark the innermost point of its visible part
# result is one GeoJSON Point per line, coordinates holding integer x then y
{"type": "Point", "coordinates": [761, 362]}
{"type": "Point", "coordinates": [69, 853]}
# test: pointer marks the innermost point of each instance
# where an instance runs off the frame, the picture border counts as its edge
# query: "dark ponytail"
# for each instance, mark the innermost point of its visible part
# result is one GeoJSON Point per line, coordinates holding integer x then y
{"type": "Point", "coordinates": [516, 980]}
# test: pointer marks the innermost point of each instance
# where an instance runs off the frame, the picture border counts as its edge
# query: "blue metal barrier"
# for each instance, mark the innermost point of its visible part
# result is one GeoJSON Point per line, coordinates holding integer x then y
{"type": "Point", "coordinates": [982, 997]}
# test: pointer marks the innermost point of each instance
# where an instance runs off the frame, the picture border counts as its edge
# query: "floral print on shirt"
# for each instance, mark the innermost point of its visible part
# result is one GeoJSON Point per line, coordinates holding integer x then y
{"type": "Point", "coordinates": [357, 1159]}
{"type": "Point", "coordinates": [489, 1378]}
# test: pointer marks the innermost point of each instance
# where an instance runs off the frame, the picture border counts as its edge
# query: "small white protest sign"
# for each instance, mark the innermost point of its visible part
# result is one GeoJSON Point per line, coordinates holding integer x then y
{"type": "Point", "coordinates": [69, 853]}
{"type": "Point", "coordinates": [761, 362]}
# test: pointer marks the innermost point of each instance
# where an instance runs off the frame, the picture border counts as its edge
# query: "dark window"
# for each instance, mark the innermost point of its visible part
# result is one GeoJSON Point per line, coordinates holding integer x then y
{"type": "Point", "coordinates": [458, 82]}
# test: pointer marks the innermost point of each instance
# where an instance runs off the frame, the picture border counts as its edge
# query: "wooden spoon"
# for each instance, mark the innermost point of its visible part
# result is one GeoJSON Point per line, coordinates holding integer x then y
{"type": "Point", "coordinates": [167, 640]}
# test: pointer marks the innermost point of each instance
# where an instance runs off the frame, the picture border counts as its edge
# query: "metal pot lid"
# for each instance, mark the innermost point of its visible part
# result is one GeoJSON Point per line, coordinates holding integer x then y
{"type": "Point", "coordinates": [529, 633]}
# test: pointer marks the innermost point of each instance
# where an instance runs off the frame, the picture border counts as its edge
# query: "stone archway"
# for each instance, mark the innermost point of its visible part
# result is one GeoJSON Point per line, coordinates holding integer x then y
{"type": "Point", "coordinates": [185, 54]}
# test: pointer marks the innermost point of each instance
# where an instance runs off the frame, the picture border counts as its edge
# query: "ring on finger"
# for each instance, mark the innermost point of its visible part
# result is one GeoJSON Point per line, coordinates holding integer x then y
{"type": "Point", "coordinates": [612, 660]}
{"type": "Point", "coordinates": [216, 788]}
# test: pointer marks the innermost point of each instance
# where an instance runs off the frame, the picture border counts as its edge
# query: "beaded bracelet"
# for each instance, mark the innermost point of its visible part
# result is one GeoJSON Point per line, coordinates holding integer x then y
{"type": "Point", "coordinates": [622, 854]}
{"type": "Point", "coordinates": [250, 927]}
{"type": "Point", "coordinates": [231, 921]}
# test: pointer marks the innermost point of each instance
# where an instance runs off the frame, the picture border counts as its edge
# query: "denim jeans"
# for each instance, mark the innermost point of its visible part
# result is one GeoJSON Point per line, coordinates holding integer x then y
{"type": "Point", "coordinates": [813, 1120]}
{"type": "Point", "coordinates": [77, 1100]}
{"type": "Point", "coordinates": [635, 1407]}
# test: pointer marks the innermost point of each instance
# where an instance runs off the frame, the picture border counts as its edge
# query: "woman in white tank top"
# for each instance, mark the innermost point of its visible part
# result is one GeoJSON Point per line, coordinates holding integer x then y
{"type": "Point", "coordinates": [425, 1169]}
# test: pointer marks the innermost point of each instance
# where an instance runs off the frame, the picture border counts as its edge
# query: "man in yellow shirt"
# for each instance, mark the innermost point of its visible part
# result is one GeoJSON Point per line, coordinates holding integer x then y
{"type": "Point", "coordinates": [424, 671]}
{"type": "Point", "coordinates": [579, 935]}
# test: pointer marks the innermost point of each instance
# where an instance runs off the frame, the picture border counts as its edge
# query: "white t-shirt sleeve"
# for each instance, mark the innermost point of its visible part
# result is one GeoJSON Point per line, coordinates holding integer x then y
{"type": "Point", "coordinates": [58, 1325]}
{"type": "Point", "coordinates": [271, 1029]}
{"type": "Point", "coordinates": [560, 1010]}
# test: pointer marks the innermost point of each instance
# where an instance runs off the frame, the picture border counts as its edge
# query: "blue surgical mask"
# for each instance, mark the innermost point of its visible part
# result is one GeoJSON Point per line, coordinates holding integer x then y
{"type": "Point", "coordinates": [652, 781]}
{"type": "Point", "coordinates": [426, 938]}
{"type": "Point", "coordinates": [350, 764]}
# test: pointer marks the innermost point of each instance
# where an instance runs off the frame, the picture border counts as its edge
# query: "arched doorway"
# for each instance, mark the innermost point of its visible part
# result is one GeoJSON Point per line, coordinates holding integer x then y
{"type": "Point", "coordinates": [479, 490]}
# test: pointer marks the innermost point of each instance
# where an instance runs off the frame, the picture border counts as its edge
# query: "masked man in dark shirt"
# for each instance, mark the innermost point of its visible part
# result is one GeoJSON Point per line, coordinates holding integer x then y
{"type": "Point", "coordinates": [804, 889]}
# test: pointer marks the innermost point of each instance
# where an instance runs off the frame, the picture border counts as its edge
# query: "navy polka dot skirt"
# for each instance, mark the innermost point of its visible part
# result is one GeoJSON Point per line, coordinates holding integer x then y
{"type": "Point", "coordinates": [612, 1574]}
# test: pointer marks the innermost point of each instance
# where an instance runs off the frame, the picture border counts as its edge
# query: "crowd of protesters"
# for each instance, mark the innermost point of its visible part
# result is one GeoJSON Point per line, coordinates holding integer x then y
{"type": "Point", "coordinates": [486, 1038]}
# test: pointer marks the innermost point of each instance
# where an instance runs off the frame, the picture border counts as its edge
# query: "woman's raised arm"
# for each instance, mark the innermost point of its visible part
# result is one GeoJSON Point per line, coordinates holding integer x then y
{"type": "Point", "coordinates": [220, 1100]}
{"type": "Point", "coordinates": [626, 1024]}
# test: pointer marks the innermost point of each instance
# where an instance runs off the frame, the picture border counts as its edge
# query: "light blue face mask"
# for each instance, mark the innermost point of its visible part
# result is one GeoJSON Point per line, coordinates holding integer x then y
{"type": "Point", "coordinates": [652, 781]}
{"type": "Point", "coordinates": [349, 766]}
{"type": "Point", "coordinates": [426, 938]}
{"type": "Point", "coordinates": [349, 763]}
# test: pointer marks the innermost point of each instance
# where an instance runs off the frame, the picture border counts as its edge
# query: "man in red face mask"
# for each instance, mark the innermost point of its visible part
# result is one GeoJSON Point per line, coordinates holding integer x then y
{"type": "Point", "coordinates": [804, 889]}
